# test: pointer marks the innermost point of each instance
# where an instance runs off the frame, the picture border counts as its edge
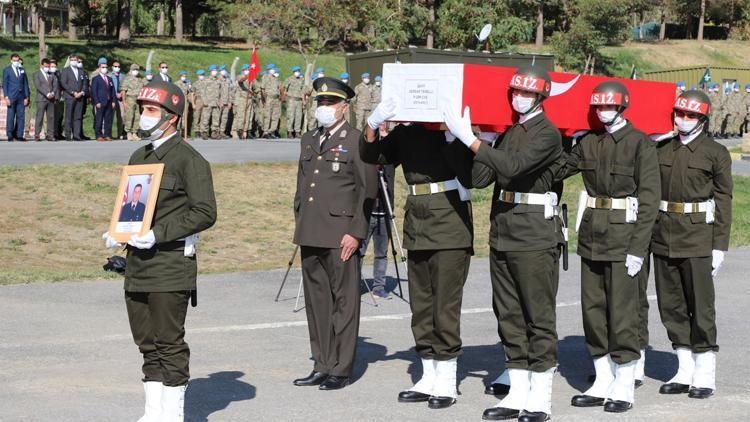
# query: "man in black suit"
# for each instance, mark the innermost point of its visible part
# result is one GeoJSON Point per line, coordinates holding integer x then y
{"type": "Point", "coordinates": [135, 209]}
{"type": "Point", "coordinates": [104, 97]}
{"type": "Point", "coordinates": [163, 75]}
{"type": "Point", "coordinates": [47, 89]}
{"type": "Point", "coordinates": [74, 86]}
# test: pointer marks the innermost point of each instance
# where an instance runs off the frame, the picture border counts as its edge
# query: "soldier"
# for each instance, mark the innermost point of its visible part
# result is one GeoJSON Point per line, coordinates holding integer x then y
{"type": "Point", "coordinates": [186, 86]}
{"type": "Point", "coordinates": [242, 106]}
{"type": "Point", "coordinates": [211, 92]}
{"type": "Point", "coordinates": [293, 87]}
{"type": "Point", "coordinates": [259, 104]}
{"type": "Point", "coordinates": [680, 88]}
{"type": "Point", "coordinates": [689, 241]}
{"type": "Point", "coordinates": [160, 278]}
{"type": "Point", "coordinates": [736, 110]}
{"type": "Point", "coordinates": [198, 93]}
{"type": "Point", "coordinates": [616, 216]}
{"type": "Point", "coordinates": [715, 120]}
{"type": "Point", "coordinates": [335, 192]}
{"type": "Point", "coordinates": [225, 102]}
{"type": "Point", "coordinates": [344, 77]}
{"type": "Point", "coordinates": [438, 233]}
{"type": "Point", "coordinates": [130, 88]}
{"type": "Point", "coordinates": [362, 101]}
{"type": "Point", "coordinates": [525, 236]}
{"type": "Point", "coordinates": [271, 92]}
{"type": "Point", "coordinates": [310, 95]}
{"type": "Point", "coordinates": [746, 101]}
{"type": "Point", "coordinates": [377, 91]}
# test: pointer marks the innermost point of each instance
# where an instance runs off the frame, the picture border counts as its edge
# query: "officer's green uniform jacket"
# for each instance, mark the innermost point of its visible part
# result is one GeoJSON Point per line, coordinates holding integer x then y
{"type": "Point", "coordinates": [186, 205]}
{"type": "Point", "coordinates": [696, 172]}
{"type": "Point", "coordinates": [524, 159]}
{"type": "Point", "coordinates": [431, 222]}
{"type": "Point", "coordinates": [616, 165]}
{"type": "Point", "coordinates": [335, 189]}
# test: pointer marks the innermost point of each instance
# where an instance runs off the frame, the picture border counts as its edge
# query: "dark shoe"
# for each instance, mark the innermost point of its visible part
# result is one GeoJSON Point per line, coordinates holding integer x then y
{"type": "Point", "coordinates": [617, 406]}
{"type": "Point", "coordinates": [204, 136]}
{"type": "Point", "coordinates": [315, 378]}
{"type": "Point", "coordinates": [381, 294]}
{"type": "Point", "coordinates": [500, 413]}
{"type": "Point", "coordinates": [533, 417]}
{"type": "Point", "coordinates": [436, 402]}
{"type": "Point", "coordinates": [700, 393]}
{"type": "Point", "coordinates": [36, 139]}
{"type": "Point", "coordinates": [51, 140]}
{"type": "Point", "coordinates": [334, 382]}
{"type": "Point", "coordinates": [409, 396]}
{"type": "Point", "coordinates": [497, 389]}
{"type": "Point", "coordinates": [591, 378]}
{"type": "Point", "coordinates": [10, 139]}
{"type": "Point", "coordinates": [21, 139]}
{"type": "Point", "coordinates": [638, 383]}
{"type": "Point", "coordinates": [582, 400]}
{"type": "Point", "coordinates": [674, 388]}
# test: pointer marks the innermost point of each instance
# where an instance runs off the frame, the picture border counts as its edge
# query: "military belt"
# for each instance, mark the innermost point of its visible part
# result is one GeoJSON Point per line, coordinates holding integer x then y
{"type": "Point", "coordinates": [607, 203]}
{"type": "Point", "coordinates": [432, 188]}
{"type": "Point", "coordinates": [684, 207]}
{"type": "Point", "coordinates": [522, 198]}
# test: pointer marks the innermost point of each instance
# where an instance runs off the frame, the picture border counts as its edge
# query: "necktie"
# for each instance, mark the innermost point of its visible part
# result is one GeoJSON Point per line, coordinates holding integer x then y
{"type": "Point", "coordinates": [325, 138]}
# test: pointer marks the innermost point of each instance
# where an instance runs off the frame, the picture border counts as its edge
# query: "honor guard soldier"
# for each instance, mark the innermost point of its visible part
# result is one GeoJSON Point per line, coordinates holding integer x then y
{"type": "Point", "coordinates": [438, 233]}
{"type": "Point", "coordinates": [161, 265]}
{"type": "Point", "coordinates": [615, 219]}
{"type": "Point", "coordinates": [525, 235]}
{"type": "Point", "coordinates": [332, 205]}
{"type": "Point", "coordinates": [689, 241]}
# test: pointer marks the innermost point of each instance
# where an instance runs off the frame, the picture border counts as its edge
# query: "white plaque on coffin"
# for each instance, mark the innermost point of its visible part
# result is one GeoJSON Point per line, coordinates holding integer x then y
{"type": "Point", "coordinates": [421, 91]}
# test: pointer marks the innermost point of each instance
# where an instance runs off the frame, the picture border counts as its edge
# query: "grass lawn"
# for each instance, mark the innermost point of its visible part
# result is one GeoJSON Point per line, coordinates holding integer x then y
{"type": "Point", "coordinates": [52, 217]}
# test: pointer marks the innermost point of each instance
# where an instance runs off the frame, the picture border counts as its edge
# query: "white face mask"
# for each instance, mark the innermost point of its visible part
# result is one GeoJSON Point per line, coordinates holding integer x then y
{"type": "Point", "coordinates": [214, 73]}
{"type": "Point", "coordinates": [103, 70]}
{"type": "Point", "coordinates": [346, 81]}
{"type": "Point", "coordinates": [200, 77]}
{"type": "Point", "coordinates": [320, 75]}
{"type": "Point", "coordinates": [164, 70]}
{"type": "Point", "coordinates": [80, 65]}
{"type": "Point", "coordinates": [685, 126]}
{"type": "Point", "coordinates": [296, 73]}
{"type": "Point", "coordinates": [326, 116]}
{"type": "Point", "coordinates": [182, 78]}
{"type": "Point", "coordinates": [45, 69]}
{"type": "Point", "coordinates": [245, 72]}
{"type": "Point", "coordinates": [16, 64]}
{"type": "Point", "coordinates": [134, 72]}
{"type": "Point", "coordinates": [275, 75]}
{"type": "Point", "coordinates": [522, 104]}
{"type": "Point", "coordinates": [116, 69]}
{"type": "Point", "coordinates": [149, 77]}
{"type": "Point", "coordinates": [146, 123]}
{"type": "Point", "coordinates": [366, 80]}
{"type": "Point", "coordinates": [606, 116]}
{"type": "Point", "coordinates": [378, 83]}
{"type": "Point", "coordinates": [73, 63]}
{"type": "Point", "coordinates": [52, 69]}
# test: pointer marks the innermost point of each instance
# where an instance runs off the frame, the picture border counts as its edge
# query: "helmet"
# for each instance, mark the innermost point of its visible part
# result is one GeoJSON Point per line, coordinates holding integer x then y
{"type": "Point", "coordinates": [694, 101]}
{"type": "Point", "coordinates": [611, 93]}
{"type": "Point", "coordinates": [168, 95]}
{"type": "Point", "coordinates": [532, 79]}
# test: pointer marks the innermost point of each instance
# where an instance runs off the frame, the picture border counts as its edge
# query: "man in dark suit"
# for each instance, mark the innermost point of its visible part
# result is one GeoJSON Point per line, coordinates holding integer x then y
{"type": "Point", "coordinates": [59, 102]}
{"type": "Point", "coordinates": [72, 81]}
{"type": "Point", "coordinates": [117, 78]}
{"type": "Point", "coordinates": [16, 95]}
{"type": "Point", "coordinates": [104, 96]}
{"type": "Point", "coordinates": [47, 89]}
{"type": "Point", "coordinates": [163, 76]}
{"type": "Point", "coordinates": [135, 209]}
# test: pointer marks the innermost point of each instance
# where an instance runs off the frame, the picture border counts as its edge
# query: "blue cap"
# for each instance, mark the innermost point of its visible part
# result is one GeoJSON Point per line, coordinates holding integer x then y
{"type": "Point", "coordinates": [270, 66]}
{"type": "Point", "coordinates": [320, 70]}
{"type": "Point", "coordinates": [344, 75]}
{"type": "Point", "coordinates": [182, 72]}
{"type": "Point", "coordinates": [223, 67]}
{"type": "Point", "coordinates": [200, 72]}
{"type": "Point", "coordinates": [262, 73]}
{"type": "Point", "coordinates": [681, 84]}
{"type": "Point", "coordinates": [212, 67]}
{"type": "Point", "coordinates": [245, 66]}
{"type": "Point", "coordinates": [296, 68]}
{"type": "Point", "coordinates": [365, 75]}
{"type": "Point", "coordinates": [378, 78]}
{"type": "Point", "coordinates": [747, 86]}
{"type": "Point", "coordinates": [101, 61]}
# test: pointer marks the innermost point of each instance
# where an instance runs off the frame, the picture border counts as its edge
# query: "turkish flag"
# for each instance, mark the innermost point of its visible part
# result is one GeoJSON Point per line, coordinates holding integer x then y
{"type": "Point", "coordinates": [254, 66]}
{"type": "Point", "coordinates": [420, 90]}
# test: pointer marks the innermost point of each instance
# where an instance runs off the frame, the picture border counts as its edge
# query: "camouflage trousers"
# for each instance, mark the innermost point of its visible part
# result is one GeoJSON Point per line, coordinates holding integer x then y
{"type": "Point", "coordinates": [243, 117]}
{"type": "Point", "coordinates": [197, 114]}
{"type": "Point", "coordinates": [272, 115]}
{"type": "Point", "coordinates": [294, 115]}
{"type": "Point", "coordinates": [212, 114]}
{"type": "Point", "coordinates": [132, 115]}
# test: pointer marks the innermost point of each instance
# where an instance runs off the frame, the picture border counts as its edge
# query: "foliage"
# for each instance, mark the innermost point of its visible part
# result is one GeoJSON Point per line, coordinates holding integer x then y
{"type": "Point", "coordinates": [572, 48]}
{"type": "Point", "coordinates": [608, 18]}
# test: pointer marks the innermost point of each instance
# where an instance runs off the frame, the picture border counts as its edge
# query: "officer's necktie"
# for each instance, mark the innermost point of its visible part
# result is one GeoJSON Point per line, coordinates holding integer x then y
{"type": "Point", "coordinates": [325, 138]}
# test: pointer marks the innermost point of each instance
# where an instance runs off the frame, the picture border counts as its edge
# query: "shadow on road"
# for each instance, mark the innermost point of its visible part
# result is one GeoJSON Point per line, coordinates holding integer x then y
{"type": "Point", "coordinates": [205, 396]}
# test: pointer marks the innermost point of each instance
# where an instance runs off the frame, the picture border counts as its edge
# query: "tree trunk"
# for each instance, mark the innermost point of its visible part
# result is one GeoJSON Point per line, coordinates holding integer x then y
{"type": "Point", "coordinates": [160, 22]}
{"type": "Point", "coordinates": [431, 24]}
{"type": "Point", "coordinates": [72, 32]}
{"type": "Point", "coordinates": [663, 25]}
{"type": "Point", "coordinates": [123, 18]}
{"type": "Point", "coordinates": [178, 20]}
{"type": "Point", "coordinates": [566, 15]}
{"type": "Point", "coordinates": [34, 18]}
{"type": "Point", "coordinates": [41, 28]}
{"type": "Point", "coordinates": [13, 11]}
{"type": "Point", "coordinates": [701, 20]}
{"type": "Point", "coordinates": [540, 24]}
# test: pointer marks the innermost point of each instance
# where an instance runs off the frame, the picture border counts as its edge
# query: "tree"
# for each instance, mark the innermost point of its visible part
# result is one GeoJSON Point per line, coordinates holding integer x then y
{"type": "Point", "coordinates": [609, 18]}
{"type": "Point", "coordinates": [701, 20]}
{"type": "Point", "coordinates": [72, 15]}
{"type": "Point", "coordinates": [574, 49]}
{"type": "Point", "coordinates": [123, 21]}
{"type": "Point", "coordinates": [178, 20]}
{"type": "Point", "coordinates": [539, 24]}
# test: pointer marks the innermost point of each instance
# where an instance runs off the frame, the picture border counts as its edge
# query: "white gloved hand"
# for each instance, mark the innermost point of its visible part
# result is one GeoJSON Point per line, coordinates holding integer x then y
{"type": "Point", "coordinates": [147, 241]}
{"type": "Point", "coordinates": [488, 137]}
{"type": "Point", "coordinates": [717, 258]}
{"type": "Point", "coordinates": [460, 126]}
{"type": "Point", "coordinates": [384, 111]}
{"type": "Point", "coordinates": [109, 242]}
{"type": "Point", "coordinates": [449, 138]}
{"type": "Point", "coordinates": [634, 264]}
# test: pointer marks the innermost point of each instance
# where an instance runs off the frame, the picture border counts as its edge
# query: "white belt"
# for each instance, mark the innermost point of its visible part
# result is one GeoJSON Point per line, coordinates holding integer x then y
{"type": "Point", "coordinates": [629, 204]}
{"type": "Point", "coordinates": [433, 188]}
{"type": "Point", "coordinates": [548, 200]}
{"type": "Point", "coordinates": [607, 203]}
{"type": "Point", "coordinates": [684, 207]}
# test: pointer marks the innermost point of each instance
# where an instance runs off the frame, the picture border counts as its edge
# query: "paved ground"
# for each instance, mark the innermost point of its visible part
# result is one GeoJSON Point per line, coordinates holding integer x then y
{"type": "Point", "coordinates": [66, 355]}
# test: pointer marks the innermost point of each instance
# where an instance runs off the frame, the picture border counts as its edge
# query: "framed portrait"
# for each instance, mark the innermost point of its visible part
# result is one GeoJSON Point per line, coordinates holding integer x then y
{"type": "Point", "coordinates": [135, 201]}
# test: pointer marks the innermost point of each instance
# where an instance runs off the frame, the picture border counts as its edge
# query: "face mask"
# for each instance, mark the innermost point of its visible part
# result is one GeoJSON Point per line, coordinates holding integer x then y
{"type": "Point", "coordinates": [80, 65]}
{"type": "Point", "coordinates": [16, 64]}
{"type": "Point", "coordinates": [200, 77]}
{"type": "Point", "coordinates": [326, 116]}
{"type": "Point", "coordinates": [366, 81]}
{"type": "Point", "coordinates": [275, 75]}
{"type": "Point", "coordinates": [320, 75]}
{"type": "Point", "coordinates": [164, 70]}
{"type": "Point", "coordinates": [223, 73]}
{"type": "Point", "coordinates": [245, 72]}
{"type": "Point", "coordinates": [134, 72]}
{"type": "Point", "coordinates": [378, 83]}
{"type": "Point", "coordinates": [52, 69]}
{"type": "Point", "coordinates": [522, 104]}
{"type": "Point", "coordinates": [148, 128]}
{"type": "Point", "coordinates": [685, 126]}
{"type": "Point", "coordinates": [346, 81]}
{"type": "Point", "coordinates": [606, 116]}
{"type": "Point", "coordinates": [214, 73]}
{"type": "Point", "coordinates": [45, 69]}
{"type": "Point", "coordinates": [296, 74]}
{"type": "Point", "coordinates": [182, 78]}
{"type": "Point", "coordinates": [116, 69]}
{"type": "Point", "coordinates": [149, 77]}
{"type": "Point", "coordinates": [103, 70]}
{"type": "Point", "coordinates": [73, 63]}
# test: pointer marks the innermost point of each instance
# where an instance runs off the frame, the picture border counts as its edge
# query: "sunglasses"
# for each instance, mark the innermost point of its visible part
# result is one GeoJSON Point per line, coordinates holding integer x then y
{"type": "Point", "coordinates": [683, 114]}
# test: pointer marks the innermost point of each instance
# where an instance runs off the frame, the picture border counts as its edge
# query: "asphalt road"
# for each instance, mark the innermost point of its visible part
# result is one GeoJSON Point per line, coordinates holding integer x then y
{"type": "Point", "coordinates": [66, 355]}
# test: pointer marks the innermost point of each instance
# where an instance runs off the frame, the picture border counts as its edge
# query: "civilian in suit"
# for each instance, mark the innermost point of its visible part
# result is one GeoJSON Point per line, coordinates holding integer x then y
{"type": "Point", "coordinates": [73, 83]}
{"type": "Point", "coordinates": [104, 96]}
{"type": "Point", "coordinates": [135, 209]}
{"type": "Point", "coordinates": [162, 75]}
{"type": "Point", "coordinates": [117, 79]}
{"type": "Point", "coordinates": [59, 102]}
{"type": "Point", "coordinates": [16, 95]}
{"type": "Point", "coordinates": [47, 90]}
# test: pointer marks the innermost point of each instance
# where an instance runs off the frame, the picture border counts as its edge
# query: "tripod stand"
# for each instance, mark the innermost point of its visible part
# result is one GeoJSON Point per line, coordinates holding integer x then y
{"type": "Point", "coordinates": [391, 229]}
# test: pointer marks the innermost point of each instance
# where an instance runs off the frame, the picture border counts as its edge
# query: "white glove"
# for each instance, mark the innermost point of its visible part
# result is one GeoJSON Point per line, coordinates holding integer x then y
{"type": "Point", "coordinates": [460, 126]}
{"type": "Point", "coordinates": [634, 264]}
{"type": "Point", "coordinates": [384, 111]}
{"type": "Point", "coordinates": [449, 138]}
{"type": "Point", "coordinates": [147, 241]}
{"type": "Point", "coordinates": [190, 242]}
{"type": "Point", "coordinates": [488, 137]}
{"type": "Point", "coordinates": [717, 258]}
{"type": "Point", "coordinates": [109, 242]}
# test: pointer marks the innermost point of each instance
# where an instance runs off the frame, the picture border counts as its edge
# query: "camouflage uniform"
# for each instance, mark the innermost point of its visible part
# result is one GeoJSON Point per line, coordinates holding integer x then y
{"type": "Point", "coordinates": [130, 87]}
{"type": "Point", "coordinates": [736, 112]}
{"type": "Point", "coordinates": [259, 105]}
{"type": "Point", "coordinates": [310, 122]}
{"type": "Point", "coordinates": [198, 90]}
{"type": "Point", "coordinates": [225, 103]}
{"type": "Point", "coordinates": [715, 118]}
{"type": "Point", "coordinates": [746, 101]}
{"type": "Point", "coordinates": [362, 104]}
{"type": "Point", "coordinates": [293, 87]}
{"type": "Point", "coordinates": [271, 92]}
{"type": "Point", "coordinates": [211, 111]}
{"type": "Point", "coordinates": [187, 90]}
{"type": "Point", "coordinates": [377, 93]}
{"type": "Point", "coordinates": [243, 108]}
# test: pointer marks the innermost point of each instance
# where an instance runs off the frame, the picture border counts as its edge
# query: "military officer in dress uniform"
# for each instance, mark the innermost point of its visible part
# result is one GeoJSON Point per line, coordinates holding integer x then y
{"type": "Point", "coordinates": [616, 216]}
{"type": "Point", "coordinates": [438, 233]}
{"type": "Point", "coordinates": [689, 241]}
{"type": "Point", "coordinates": [525, 235]}
{"type": "Point", "coordinates": [161, 265]}
{"type": "Point", "coordinates": [335, 194]}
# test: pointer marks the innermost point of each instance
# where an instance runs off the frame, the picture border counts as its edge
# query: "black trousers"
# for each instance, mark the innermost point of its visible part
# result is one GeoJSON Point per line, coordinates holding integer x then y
{"type": "Point", "coordinates": [524, 293]}
{"type": "Point", "coordinates": [686, 298]}
{"type": "Point", "coordinates": [103, 121]}
{"type": "Point", "coordinates": [73, 118]}
{"type": "Point", "coordinates": [157, 322]}
{"type": "Point", "coordinates": [436, 286]}
{"type": "Point", "coordinates": [332, 305]}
